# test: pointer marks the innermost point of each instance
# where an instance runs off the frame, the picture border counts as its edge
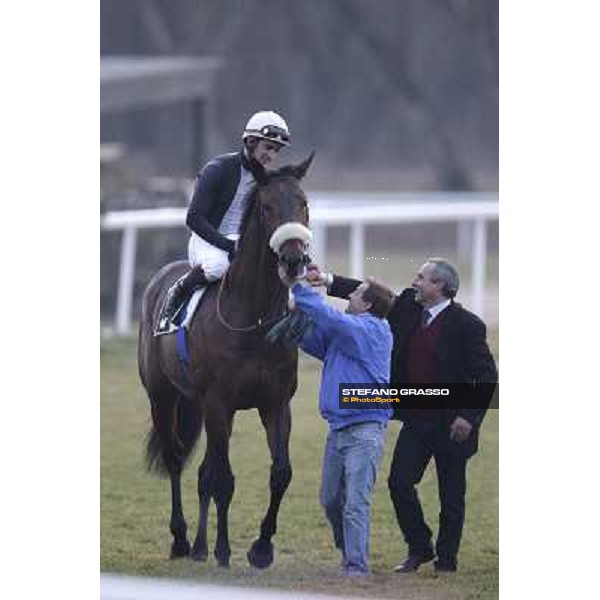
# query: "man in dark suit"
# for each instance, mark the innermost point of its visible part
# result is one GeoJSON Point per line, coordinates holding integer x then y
{"type": "Point", "coordinates": [436, 341]}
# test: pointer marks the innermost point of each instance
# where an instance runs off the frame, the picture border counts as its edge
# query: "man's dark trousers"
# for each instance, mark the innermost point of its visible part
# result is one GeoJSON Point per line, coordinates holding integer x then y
{"type": "Point", "coordinates": [419, 440]}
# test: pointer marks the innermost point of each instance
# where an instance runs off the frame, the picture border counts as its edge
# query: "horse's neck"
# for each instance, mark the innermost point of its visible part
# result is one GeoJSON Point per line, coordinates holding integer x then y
{"type": "Point", "coordinates": [253, 282]}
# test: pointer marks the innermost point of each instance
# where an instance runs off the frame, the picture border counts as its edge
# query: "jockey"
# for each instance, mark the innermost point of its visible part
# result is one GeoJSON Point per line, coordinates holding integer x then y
{"type": "Point", "coordinates": [221, 193]}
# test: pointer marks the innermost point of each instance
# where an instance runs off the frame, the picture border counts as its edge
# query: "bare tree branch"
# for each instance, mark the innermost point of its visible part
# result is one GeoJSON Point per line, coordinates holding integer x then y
{"type": "Point", "coordinates": [157, 28]}
{"type": "Point", "coordinates": [450, 173]}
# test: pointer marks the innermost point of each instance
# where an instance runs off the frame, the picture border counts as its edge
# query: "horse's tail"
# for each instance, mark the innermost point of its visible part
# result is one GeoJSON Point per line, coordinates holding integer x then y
{"type": "Point", "coordinates": [175, 431]}
{"type": "Point", "coordinates": [176, 420]}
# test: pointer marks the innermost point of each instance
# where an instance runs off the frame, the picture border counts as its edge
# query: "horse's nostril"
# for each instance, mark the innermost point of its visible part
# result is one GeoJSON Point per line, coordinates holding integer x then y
{"type": "Point", "coordinates": [295, 270]}
{"type": "Point", "coordinates": [295, 265]}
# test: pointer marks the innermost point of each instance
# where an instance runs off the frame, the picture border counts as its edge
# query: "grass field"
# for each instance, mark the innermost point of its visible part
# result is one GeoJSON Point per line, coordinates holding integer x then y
{"type": "Point", "coordinates": [135, 506]}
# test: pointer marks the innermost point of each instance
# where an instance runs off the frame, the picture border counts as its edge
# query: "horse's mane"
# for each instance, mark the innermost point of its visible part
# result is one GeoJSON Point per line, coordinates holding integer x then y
{"type": "Point", "coordinates": [264, 179]}
{"type": "Point", "coordinates": [248, 211]}
{"type": "Point", "coordinates": [252, 235]}
{"type": "Point", "coordinates": [286, 171]}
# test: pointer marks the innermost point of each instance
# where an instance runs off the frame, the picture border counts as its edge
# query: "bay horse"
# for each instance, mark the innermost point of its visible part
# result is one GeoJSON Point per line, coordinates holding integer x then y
{"type": "Point", "coordinates": [231, 366]}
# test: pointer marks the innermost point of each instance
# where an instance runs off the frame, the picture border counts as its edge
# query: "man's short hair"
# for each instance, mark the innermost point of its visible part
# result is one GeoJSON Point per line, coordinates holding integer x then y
{"type": "Point", "coordinates": [446, 273]}
{"type": "Point", "coordinates": [380, 296]}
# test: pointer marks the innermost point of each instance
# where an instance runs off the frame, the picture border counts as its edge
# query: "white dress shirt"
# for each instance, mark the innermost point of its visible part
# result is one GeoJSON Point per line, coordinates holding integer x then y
{"type": "Point", "coordinates": [434, 311]}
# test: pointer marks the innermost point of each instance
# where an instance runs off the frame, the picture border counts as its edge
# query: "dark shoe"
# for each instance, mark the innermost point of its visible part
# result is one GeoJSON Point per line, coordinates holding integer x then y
{"type": "Point", "coordinates": [178, 294]}
{"type": "Point", "coordinates": [173, 302]}
{"type": "Point", "coordinates": [413, 561]}
{"type": "Point", "coordinates": [444, 567]}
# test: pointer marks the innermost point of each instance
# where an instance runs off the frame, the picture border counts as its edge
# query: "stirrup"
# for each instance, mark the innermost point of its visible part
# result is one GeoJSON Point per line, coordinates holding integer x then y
{"type": "Point", "coordinates": [164, 327]}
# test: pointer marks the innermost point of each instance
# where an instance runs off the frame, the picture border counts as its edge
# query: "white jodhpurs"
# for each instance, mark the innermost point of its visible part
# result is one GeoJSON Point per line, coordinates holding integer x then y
{"type": "Point", "coordinates": [214, 261]}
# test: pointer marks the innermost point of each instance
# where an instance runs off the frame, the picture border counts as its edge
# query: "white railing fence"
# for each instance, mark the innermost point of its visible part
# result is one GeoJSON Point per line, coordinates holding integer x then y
{"type": "Point", "coordinates": [470, 210]}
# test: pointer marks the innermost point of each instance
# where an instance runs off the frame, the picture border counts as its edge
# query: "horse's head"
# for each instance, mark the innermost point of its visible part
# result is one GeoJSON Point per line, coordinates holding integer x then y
{"type": "Point", "coordinates": [284, 213]}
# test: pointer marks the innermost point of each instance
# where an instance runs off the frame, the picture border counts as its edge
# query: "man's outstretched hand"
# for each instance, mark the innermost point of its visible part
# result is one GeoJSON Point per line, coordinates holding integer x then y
{"type": "Point", "coordinates": [314, 275]}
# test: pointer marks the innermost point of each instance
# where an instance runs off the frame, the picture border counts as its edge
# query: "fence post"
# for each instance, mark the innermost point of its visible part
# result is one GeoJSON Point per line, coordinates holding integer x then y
{"type": "Point", "coordinates": [478, 267]}
{"type": "Point", "coordinates": [126, 280]}
{"type": "Point", "coordinates": [464, 239]}
{"type": "Point", "coordinates": [357, 250]}
{"type": "Point", "coordinates": [318, 244]}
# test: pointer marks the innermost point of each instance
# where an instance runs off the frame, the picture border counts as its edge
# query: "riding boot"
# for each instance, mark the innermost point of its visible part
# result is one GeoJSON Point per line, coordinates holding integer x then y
{"type": "Point", "coordinates": [179, 292]}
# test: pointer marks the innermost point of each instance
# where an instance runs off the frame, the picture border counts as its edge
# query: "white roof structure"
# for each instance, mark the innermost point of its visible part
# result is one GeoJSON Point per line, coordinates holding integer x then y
{"type": "Point", "coordinates": [131, 81]}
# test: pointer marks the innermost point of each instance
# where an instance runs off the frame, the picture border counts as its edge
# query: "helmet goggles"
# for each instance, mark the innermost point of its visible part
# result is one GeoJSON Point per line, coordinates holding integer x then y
{"type": "Point", "coordinates": [271, 132]}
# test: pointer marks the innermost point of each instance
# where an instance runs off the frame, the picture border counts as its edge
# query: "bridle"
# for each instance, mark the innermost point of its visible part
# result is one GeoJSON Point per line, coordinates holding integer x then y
{"type": "Point", "coordinates": [262, 321]}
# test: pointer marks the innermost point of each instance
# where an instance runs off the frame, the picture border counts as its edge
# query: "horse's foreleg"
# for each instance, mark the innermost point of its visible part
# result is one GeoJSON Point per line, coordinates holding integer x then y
{"type": "Point", "coordinates": [223, 493]}
{"type": "Point", "coordinates": [278, 426]}
{"type": "Point", "coordinates": [200, 547]}
{"type": "Point", "coordinates": [218, 431]}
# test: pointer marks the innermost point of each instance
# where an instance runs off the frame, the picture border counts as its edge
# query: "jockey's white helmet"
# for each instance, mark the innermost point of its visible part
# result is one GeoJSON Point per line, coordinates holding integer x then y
{"type": "Point", "coordinates": [268, 125]}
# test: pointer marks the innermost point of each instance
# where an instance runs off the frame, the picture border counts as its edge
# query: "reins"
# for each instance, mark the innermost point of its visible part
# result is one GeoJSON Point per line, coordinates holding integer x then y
{"type": "Point", "coordinates": [260, 323]}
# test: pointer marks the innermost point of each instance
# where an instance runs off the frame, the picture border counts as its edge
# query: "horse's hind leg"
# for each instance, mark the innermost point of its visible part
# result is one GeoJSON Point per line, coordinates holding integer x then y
{"type": "Point", "coordinates": [180, 546]}
{"type": "Point", "coordinates": [200, 547]}
{"type": "Point", "coordinates": [278, 426]}
{"type": "Point", "coordinates": [167, 452]}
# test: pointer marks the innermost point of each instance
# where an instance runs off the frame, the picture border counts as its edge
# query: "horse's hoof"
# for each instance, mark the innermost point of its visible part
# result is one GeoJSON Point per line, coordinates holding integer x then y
{"type": "Point", "coordinates": [260, 554]}
{"type": "Point", "coordinates": [222, 560]}
{"type": "Point", "coordinates": [200, 554]}
{"type": "Point", "coordinates": [180, 548]}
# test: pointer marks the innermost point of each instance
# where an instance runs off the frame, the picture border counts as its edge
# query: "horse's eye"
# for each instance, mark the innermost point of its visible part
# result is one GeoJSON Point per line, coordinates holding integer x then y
{"type": "Point", "coordinates": [267, 209]}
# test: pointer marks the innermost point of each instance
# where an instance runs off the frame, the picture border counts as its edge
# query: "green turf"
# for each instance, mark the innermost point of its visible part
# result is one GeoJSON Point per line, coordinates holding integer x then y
{"type": "Point", "coordinates": [135, 506]}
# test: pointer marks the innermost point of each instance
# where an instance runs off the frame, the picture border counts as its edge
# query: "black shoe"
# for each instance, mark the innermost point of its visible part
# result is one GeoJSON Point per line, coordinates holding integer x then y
{"type": "Point", "coordinates": [172, 301]}
{"type": "Point", "coordinates": [413, 561]}
{"type": "Point", "coordinates": [178, 294]}
{"type": "Point", "coordinates": [171, 307]}
{"type": "Point", "coordinates": [444, 567]}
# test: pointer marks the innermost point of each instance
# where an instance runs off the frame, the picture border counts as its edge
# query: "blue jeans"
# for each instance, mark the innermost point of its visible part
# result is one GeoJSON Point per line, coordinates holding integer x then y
{"type": "Point", "coordinates": [352, 456]}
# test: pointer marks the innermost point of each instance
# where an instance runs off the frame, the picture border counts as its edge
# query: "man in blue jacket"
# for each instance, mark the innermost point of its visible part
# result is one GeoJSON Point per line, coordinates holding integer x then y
{"type": "Point", "coordinates": [221, 193]}
{"type": "Point", "coordinates": [355, 347]}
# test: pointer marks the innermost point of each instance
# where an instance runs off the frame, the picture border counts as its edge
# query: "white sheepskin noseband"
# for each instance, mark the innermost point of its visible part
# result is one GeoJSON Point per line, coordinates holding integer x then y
{"type": "Point", "coordinates": [289, 231]}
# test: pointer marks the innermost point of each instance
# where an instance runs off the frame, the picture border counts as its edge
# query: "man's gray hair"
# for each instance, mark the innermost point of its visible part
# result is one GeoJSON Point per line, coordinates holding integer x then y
{"type": "Point", "coordinates": [445, 272]}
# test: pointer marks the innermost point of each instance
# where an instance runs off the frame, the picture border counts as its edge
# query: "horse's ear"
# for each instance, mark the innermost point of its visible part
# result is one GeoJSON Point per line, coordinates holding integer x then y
{"type": "Point", "coordinates": [259, 172]}
{"type": "Point", "coordinates": [301, 169]}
